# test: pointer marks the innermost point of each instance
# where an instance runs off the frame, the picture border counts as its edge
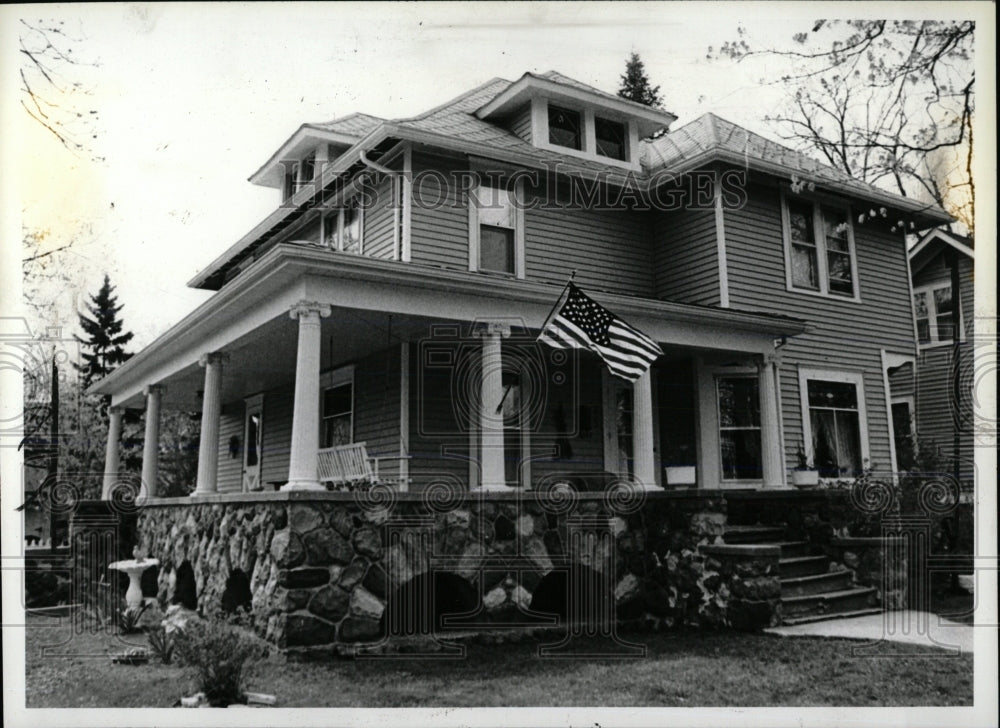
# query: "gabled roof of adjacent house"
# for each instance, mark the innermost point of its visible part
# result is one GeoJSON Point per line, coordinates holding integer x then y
{"type": "Point", "coordinates": [961, 243]}
{"type": "Point", "coordinates": [933, 242]}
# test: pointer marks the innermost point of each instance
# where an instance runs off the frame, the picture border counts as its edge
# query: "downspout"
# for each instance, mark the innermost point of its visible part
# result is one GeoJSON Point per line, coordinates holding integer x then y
{"type": "Point", "coordinates": [363, 156]}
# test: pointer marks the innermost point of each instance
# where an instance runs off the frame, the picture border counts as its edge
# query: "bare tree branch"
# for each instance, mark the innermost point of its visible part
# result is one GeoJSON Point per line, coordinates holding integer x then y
{"type": "Point", "coordinates": [878, 98]}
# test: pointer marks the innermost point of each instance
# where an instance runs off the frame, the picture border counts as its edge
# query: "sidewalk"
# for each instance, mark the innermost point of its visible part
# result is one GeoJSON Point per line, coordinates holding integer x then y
{"type": "Point", "coordinates": [920, 628]}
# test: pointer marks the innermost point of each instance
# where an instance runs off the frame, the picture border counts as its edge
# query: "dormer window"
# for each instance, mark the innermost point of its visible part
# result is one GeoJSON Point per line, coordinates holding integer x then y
{"type": "Point", "coordinates": [308, 170]}
{"type": "Point", "coordinates": [565, 127]}
{"type": "Point", "coordinates": [610, 137]}
{"type": "Point", "coordinates": [290, 185]}
{"type": "Point", "coordinates": [298, 175]}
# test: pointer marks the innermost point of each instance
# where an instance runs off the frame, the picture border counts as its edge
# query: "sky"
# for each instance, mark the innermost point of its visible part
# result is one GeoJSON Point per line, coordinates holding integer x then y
{"type": "Point", "coordinates": [192, 98]}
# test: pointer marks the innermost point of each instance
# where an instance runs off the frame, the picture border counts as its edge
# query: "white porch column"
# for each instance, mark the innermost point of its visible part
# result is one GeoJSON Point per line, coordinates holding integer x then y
{"type": "Point", "coordinates": [211, 408]}
{"type": "Point", "coordinates": [151, 443]}
{"type": "Point", "coordinates": [111, 459]}
{"type": "Point", "coordinates": [643, 462]}
{"type": "Point", "coordinates": [491, 446]}
{"type": "Point", "coordinates": [304, 455]}
{"type": "Point", "coordinates": [772, 459]}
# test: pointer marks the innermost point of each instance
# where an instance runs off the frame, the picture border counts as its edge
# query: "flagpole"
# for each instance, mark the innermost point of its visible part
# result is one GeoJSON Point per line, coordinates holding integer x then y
{"type": "Point", "coordinates": [559, 302]}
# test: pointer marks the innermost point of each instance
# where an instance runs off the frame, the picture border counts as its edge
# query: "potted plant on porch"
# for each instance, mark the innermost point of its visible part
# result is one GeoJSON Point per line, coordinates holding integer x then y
{"type": "Point", "coordinates": [805, 474]}
{"type": "Point", "coordinates": [680, 469]}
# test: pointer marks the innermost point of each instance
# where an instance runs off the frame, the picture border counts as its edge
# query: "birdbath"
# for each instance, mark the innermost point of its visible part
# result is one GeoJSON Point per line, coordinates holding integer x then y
{"type": "Point", "coordinates": [134, 568]}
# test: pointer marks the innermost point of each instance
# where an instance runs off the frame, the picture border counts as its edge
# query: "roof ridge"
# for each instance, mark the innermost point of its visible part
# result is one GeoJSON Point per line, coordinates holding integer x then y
{"type": "Point", "coordinates": [345, 117]}
{"type": "Point", "coordinates": [452, 102]}
{"type": "Point", "coordinates": [712, 126]}
{"type": "Point", "coordinates": [593, 89]}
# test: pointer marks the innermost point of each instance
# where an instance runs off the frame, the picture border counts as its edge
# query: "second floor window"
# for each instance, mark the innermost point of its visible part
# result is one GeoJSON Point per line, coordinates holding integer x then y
{"type": "Point", "coordinates": [933, 307]}
{"type": "Point", "coordinates": [343, 229]}
{"type": "Point", "coordinates": [496, 228]}
{"type": "Point", "coordinates": [565, 128]}
{"type": "Point", "coordinates": [819, 245]}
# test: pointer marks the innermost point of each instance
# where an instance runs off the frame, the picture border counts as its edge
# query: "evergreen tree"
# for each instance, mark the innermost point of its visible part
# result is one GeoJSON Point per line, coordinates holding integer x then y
{"type": "Point", "coordinates": [105, 335]}
{"type": "Point", "coordinates": [636, 86]}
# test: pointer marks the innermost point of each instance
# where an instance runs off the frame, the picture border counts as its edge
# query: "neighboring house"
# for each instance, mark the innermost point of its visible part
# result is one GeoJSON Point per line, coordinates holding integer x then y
{"type": "Point", "coordinates": [932, 399]}
{"type": "Point", "coordinates": [400, 310]}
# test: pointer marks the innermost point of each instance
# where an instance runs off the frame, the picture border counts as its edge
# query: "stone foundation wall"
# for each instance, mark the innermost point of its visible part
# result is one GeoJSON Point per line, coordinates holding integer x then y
{"type": "Point", "coordinates": [332, 568]}
{"type": "Point", "coordinates": [877, 561]}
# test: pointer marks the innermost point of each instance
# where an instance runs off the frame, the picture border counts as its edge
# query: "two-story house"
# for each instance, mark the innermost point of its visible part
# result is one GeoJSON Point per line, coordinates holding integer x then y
{"type": "Point", "coordinates": [394, 295]}
{"type": "Point", "coordinates": [932, 395]}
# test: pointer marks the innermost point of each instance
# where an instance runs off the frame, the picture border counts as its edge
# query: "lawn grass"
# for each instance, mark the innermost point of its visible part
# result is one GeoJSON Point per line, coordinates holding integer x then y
{"type": "Point", "coordinates": [680, 669]}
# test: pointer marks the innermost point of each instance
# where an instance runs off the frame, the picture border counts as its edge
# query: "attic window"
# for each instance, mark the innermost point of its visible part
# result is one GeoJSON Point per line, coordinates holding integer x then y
{"type": "Point", "coordinates": [565, 129]}
{"type": "Point", "coordinates": [610, 136]}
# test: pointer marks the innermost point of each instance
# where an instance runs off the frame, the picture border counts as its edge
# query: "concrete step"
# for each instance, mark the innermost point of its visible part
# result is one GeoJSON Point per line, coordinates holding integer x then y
{"type": "Point", "coordinates": [794, 548]}
{"type": "Point", "coordinates": [789, 621]}
{"type": "Point", "coordinates": [829, 603]}
{"type": "Point", "coordinates": [804, 566]}
{"type": "Point", "coordinates": [831, 581]}
{"type": "Point", "coordinates": [753, 534]}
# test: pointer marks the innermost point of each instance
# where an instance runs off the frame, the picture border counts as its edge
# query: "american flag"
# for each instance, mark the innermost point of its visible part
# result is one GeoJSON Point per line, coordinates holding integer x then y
{"type": "Point", "coordinates": [580, 323]}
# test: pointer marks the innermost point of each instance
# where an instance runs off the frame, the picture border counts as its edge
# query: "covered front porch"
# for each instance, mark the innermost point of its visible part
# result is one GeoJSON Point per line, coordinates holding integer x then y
{"type": "Point", "coordinates": [440, 379]}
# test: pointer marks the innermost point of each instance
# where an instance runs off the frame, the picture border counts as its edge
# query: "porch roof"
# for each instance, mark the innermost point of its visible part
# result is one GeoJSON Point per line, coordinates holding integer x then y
{"type": "Point", "coordinates": [289, 273]}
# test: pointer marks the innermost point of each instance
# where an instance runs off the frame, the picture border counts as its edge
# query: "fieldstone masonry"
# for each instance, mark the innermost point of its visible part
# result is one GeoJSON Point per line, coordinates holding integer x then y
{"type": "Point", "coordinates": [329, 570]}
{"type": "Point", "coordinates": [322, 568]}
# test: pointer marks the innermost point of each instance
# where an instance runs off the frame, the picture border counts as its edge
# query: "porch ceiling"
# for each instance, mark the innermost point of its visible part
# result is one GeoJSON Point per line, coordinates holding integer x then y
{"type": "Point", "coordinates": [264, 359]}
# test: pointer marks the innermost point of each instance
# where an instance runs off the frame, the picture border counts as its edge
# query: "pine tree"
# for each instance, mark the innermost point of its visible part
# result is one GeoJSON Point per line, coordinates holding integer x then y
{"type": "Point", "coordinates": [105, 335]}
{"type": "Point", "coordinates": [636, 86]}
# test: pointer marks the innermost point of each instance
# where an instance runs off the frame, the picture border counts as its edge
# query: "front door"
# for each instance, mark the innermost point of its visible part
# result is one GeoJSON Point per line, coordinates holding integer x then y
{"type": "Point", "coordinates": [253, 431]}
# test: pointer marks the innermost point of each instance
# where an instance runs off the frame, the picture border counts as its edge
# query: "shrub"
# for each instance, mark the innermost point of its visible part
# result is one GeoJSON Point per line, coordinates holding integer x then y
{"type": "Point", "coordinates": [218, 651]}
{"type": "Point", "coordinates": [128, 619]}
{"type": "Point", "coordinates": [162, 645]}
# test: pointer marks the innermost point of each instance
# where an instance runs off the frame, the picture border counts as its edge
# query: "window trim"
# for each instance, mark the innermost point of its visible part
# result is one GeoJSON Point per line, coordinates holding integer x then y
{"type": "Point", "coordinates": [517, 198]}
{"type": "Point", "coordinates": [337, 378]}
{"type": "Point", "coordinates": [719, 373]}
{"type": "Point", "coordinates": [928, 289]}
{"type": "Point", "coordinates": [818, 204]}
{"type": "Point", "coordinates": [841, 377]}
